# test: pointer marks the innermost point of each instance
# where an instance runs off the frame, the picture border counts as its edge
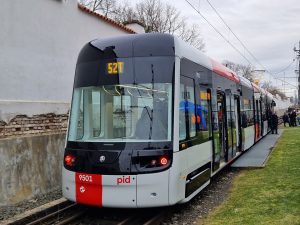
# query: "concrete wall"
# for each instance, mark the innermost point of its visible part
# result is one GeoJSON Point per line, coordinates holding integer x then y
{"type": "Point", "coordinates": [30, 166]}
{"type": "Point", "coordinates": [40, 41]}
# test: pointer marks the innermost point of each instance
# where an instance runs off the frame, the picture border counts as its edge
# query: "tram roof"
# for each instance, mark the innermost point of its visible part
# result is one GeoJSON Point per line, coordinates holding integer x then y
{"type": "Point", "coordinates": [245, 82]}
{"type": "Point", "coordinates": [182, 49]}
{"type": "Point", "coordinates": [138, 45]}
{"type": "Point", "coordinates": [158, 44]}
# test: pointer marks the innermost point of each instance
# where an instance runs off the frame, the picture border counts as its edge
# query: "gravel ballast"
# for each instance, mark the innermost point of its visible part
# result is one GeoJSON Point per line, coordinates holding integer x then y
{"type": "Point", "coordinates": [209, 198]}
{"type": "Point", "coordinates": [7, 212]}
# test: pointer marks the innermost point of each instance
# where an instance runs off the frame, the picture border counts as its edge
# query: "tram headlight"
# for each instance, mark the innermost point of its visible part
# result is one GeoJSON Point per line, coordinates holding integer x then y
{"type": "Point", "coordinates": [147, 161]}
{"type": "Point", "coordinates": [69, 160]}
{"type": "Point", "coordinates": [163, 160]}
{"type": "Point", "coordinates": [154, 161]}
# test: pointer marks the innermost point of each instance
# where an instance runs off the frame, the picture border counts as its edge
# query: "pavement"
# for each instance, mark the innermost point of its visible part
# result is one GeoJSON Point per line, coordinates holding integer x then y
{"type": "Point", "coordinates": [258, 155]}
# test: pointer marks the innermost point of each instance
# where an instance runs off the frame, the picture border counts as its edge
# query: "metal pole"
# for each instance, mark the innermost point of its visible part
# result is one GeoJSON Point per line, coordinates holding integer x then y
{"type": "Point", "coordinates": [299, 75]}
{"type": "Point", "coordinates": [298, 56]}
{"type": "Point", "coordinates": [284, 82]}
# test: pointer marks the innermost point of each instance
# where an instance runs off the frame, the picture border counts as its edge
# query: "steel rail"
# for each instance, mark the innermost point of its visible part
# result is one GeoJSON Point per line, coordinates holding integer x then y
{"type": "Point", "coordinates": [43, 219]}
{"type": "Point", "coordinates": [143, 220]}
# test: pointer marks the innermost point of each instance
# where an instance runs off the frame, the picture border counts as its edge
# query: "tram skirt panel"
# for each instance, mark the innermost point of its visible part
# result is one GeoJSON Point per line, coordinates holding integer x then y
{"type": "Point", "coordinates": [68, 185]}
{"type": "Point", "coordinates": [152, 189]}
{"type": "Point", "coordinates": [119, 191]}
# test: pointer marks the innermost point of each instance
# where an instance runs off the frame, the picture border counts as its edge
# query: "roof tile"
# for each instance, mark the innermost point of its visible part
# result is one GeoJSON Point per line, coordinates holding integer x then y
{"type": "Point", "coordinates": [106, 19]}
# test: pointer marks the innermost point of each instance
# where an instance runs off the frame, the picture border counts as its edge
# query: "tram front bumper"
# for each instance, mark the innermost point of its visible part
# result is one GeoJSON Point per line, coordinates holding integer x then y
{"type": "Point", "coordinates": [117, 191]}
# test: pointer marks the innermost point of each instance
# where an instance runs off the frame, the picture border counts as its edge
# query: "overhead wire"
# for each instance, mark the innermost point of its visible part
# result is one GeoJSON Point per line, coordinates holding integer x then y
{"type": "Point", "coordinates": [218, 14]}
{"type": "Point", "coordinates": [250, 53]}
{"type": "Point", "coordinates": [234, 47]}
{"type": "Point", "coordinates": [285, 68]}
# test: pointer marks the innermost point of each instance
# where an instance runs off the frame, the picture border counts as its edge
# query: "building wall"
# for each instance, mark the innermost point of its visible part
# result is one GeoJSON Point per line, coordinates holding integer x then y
{"type": "Point", "coordinates": [23, 125]}
{"type": "Point", "coordinates": [40, 41]}
{"type": "Point", "coordinates": [30, 166]}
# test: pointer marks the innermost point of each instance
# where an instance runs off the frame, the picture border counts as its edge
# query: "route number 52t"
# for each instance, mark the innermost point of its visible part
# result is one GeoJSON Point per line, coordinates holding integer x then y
{"type": "Point", "coordinates": [115, 67]}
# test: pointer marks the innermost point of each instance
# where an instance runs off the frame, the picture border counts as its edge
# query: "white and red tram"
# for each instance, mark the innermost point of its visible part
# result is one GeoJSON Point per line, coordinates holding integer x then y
{"type": "Point", "coordinates": [152, 120]}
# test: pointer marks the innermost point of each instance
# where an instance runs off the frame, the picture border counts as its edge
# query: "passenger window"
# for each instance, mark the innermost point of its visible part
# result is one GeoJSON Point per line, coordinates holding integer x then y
{"type": "Point", "coordinates": [182, 122]}
{"type": "Point", "coordinates": [247, 114]}
{"type": "Point", "coordinates": [190, 108]}
{"type": "Point", "coordinates": [187, 109]}
{"type": "Point", "coordinates": [203, 118]}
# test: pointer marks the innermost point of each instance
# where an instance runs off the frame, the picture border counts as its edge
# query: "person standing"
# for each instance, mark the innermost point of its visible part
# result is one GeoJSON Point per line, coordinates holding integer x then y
{"type": "Point", "coordinates": [285, 119]}
{"type": "Point", "coordinates": [274, 123]}
{"type": "Point", "coordinates": [293, 117]}
{"type": "Point", "coordinates": [290, 119]}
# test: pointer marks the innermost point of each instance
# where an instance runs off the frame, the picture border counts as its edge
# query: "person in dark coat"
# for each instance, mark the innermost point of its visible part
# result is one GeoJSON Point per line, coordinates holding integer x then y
{"type": "Point", "coordinates": [274, 123]}
{"type": "Point", "coordinates": [286, 119]}
{"type": "Point", "coordinates": [293, 118]}
{"type": "Point", "coordinates": [290, 119]}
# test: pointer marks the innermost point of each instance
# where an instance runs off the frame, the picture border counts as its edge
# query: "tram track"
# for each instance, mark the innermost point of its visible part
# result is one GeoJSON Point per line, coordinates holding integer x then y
{"type": "Point", "coordinates": [107, 216]}
{"type": "Point", "coordinates": [71, 213]}
{"type": "Point", "coordinates": [60, 214]}
{"type": "Point", "coordinates": [153, 219]}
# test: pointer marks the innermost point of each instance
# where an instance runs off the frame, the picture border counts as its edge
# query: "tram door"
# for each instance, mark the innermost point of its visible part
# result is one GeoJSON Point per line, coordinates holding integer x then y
{"type": "Point", "coordinates": [230, 129]}
{"type": "Point", "coordinates": [257, 120]}
{"type": "Point", "coordinates": [238, 131]}
{"type": "Point", "coordinates": [261, 119]}
{"type": "Point", "coordinates": [220, 133]}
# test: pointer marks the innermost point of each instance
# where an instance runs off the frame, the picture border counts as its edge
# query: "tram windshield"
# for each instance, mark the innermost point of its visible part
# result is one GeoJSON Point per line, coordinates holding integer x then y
{"type": "Point", "coordinates": [119, 111]}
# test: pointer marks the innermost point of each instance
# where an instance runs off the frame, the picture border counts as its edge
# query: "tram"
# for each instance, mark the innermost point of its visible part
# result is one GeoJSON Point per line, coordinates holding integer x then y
{"type": "Point", "coordinates": [152, 120]}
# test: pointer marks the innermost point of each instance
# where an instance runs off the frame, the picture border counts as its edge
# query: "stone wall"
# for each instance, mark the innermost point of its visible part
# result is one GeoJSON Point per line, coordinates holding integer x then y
{"type": "Point", "coordinates": [31, 156]}
{"type": "Point", "coordinates": [30, 165]}
{"type": "Point", "coordinates": [23, 125]}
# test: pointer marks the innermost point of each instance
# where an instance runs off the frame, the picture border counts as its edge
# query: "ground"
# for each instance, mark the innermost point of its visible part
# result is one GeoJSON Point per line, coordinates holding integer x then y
{"type": "Point", "coordinates": [265, 196]}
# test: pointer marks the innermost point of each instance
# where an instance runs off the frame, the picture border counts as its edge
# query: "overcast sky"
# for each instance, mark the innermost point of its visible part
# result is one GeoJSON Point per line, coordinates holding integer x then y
{"type": "Point", "coordinates": [269, 29]}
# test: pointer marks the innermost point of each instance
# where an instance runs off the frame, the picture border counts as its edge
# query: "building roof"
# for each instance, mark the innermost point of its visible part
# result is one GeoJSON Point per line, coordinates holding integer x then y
{"type": "Point", "coordinates": [134, 21]}
{"type": "Point", "coordinates": [106, 19]}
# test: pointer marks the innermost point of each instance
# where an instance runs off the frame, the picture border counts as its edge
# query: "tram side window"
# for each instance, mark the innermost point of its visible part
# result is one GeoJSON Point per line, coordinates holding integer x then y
{"type": "Point", "coordinates": [187, 115]}
{"type": "Point", "coordinates": [250, 114]}
{"type": "Point", "coordinates": [190, 104]}
{"type": "Point", "coordinates": [182, 121]}
{"type": "Point", "coordinates": [247, 114]}
{"type": "Point", "coordinates": [263, 104]}
{"type": "Point", "coordinates": [203, 111]}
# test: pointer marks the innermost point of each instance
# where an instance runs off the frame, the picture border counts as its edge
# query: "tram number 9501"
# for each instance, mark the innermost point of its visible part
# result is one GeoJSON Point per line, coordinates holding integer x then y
{"type": "Point", "coordinates": [85, 178]}
{"type": "Point", "coordinates": [115, 67]}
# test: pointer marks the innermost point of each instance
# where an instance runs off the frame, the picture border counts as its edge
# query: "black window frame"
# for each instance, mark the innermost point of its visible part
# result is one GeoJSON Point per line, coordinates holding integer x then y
{"type": "Point", "coordinates": [201, 79]}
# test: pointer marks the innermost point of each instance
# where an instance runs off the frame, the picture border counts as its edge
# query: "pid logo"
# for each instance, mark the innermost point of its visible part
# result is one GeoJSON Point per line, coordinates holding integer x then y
{"type": "Point", "coordinates": [124, 180]}
{"type": "Point", "coordinates": [82, 189]}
